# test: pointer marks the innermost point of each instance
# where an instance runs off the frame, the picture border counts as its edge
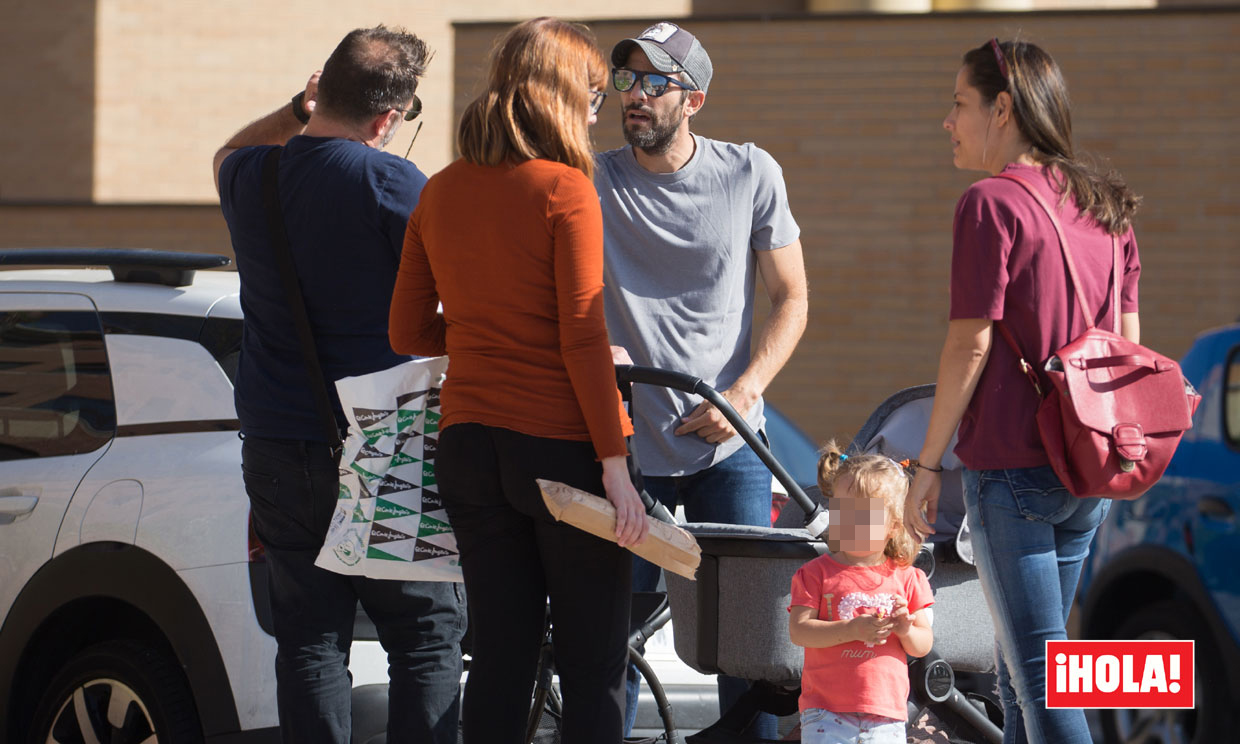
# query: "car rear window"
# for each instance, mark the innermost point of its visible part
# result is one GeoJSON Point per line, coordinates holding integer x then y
{"type": "Point", "coordinates": [55, 388]}
{"type": "Point", "coordinates": [220, 336]}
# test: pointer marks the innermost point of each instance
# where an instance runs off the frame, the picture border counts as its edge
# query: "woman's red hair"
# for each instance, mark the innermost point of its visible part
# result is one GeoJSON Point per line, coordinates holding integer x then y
{"type": "Point", "coordinates": [536, 102]}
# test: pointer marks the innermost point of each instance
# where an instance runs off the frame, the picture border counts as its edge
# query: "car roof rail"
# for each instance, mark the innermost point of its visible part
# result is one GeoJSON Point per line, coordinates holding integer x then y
{"type": "Point", "coordinates": [130, 265]}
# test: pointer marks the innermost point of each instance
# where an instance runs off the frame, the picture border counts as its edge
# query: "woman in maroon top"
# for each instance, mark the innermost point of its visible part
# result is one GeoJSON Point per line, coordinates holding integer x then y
{"type": "Point", "coordinates": [1030, 535]}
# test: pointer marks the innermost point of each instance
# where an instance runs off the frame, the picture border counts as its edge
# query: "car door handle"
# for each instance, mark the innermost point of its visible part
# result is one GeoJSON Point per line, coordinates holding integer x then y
{"type": "Point", "coordinates": [1216, 507]}
{"type": "Point", "coordinates": [16, 503]}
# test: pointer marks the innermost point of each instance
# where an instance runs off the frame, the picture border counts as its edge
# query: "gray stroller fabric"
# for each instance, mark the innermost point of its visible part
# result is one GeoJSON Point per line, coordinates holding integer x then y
{"type": "Point", "coordinates": [897, 430]}
{"type": "Point", "coordinates": [734, 619]}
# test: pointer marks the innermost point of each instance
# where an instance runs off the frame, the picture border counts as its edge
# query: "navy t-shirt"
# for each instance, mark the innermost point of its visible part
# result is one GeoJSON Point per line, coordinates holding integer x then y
{"type": "Point", "coordinates": [345, 210]}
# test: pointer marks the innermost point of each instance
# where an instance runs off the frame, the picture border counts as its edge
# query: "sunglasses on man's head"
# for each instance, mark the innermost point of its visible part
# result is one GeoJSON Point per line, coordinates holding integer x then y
{"type": "Point", "coordinates": [414, 109]}
{"type": "Point", "coordinates": [654, 84]}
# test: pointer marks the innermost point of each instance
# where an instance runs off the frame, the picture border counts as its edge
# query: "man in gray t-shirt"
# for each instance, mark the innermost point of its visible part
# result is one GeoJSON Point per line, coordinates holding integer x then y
{"type": "Point", "coordinates": [689, 224]}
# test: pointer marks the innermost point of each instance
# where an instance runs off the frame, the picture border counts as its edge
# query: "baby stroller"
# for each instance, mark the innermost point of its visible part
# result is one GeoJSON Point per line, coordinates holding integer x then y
{"type": "Point", "coordinates": [733, 618]}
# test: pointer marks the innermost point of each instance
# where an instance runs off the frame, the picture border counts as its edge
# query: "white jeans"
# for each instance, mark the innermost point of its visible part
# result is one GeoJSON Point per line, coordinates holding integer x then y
{"type": "Point", "coordinates": [819, 726]}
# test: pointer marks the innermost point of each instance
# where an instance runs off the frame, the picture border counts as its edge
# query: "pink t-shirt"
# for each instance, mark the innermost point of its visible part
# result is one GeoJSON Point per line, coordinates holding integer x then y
{"type": "Point", "coordinates": [1007, 265]}
{"type": "Point", "coordinates": [851, 677]}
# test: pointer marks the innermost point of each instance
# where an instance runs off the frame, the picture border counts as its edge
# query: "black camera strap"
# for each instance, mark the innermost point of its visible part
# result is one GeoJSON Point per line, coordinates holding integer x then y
{"type": "Point", "coordinates": [283, 253]}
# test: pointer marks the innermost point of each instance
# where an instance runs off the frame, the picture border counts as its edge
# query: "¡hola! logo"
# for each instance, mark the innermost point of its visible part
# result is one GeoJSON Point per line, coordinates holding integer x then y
{"type": "Point", "coordinates": [1119, 674]}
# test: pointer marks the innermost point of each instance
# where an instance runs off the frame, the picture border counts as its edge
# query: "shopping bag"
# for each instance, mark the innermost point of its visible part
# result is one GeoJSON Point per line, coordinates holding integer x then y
{"type": "Point", "coordinates": [389, 522]}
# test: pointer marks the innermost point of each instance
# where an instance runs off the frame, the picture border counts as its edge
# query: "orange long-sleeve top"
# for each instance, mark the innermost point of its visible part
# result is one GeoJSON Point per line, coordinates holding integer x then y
{"type": "Point", "coordinates": [515, 255]}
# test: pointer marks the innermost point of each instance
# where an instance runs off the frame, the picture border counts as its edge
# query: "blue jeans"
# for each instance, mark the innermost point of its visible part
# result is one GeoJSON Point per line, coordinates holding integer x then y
{"type": "Point", "coordinates": [735, 491]}
{"type": "Point", "coordinates": [819, 726]}
{"type": "Point", "coordinates": [293, 487]}
{"type": "Point", "coordinates": [1030, 538]}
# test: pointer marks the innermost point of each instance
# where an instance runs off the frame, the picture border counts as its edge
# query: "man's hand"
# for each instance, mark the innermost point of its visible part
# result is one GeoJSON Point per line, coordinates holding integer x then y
{"type": "Point", "coordinates": [708, 422]}
{"type": "Point", "coordinates": [620, 355]}
{"type": "Point", "coordinates": [312, 92]}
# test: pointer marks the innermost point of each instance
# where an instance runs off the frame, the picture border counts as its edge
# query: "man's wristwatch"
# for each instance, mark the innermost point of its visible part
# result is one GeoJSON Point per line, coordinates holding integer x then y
{"type": "Point", "coordinates": [299, 107]}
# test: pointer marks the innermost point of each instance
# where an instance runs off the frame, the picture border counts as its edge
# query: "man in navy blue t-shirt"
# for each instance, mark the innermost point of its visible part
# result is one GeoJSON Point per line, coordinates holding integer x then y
{"type": "Point", "coordinates": [345, 203]}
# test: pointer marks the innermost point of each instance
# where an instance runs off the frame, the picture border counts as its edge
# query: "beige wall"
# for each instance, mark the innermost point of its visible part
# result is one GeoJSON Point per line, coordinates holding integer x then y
{"type": "Point", "coordinates": [114, 108]}
{"type": "Point", "coordinates": [47, 81]}
{"type": "Point", "coordinates": [125, 101]}
{"type": "Point", "coordinates": [852, 108]}
{"type": "Point", "coordinates": [192, 228]}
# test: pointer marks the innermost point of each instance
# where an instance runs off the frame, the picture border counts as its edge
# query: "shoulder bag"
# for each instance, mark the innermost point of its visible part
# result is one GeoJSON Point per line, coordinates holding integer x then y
{"type": "Point", "coordinates": [1115, 410]}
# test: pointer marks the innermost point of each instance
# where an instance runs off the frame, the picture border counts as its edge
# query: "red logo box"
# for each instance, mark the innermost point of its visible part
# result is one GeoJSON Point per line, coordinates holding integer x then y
{"type": "Point", "coordinates": [1119, 674]}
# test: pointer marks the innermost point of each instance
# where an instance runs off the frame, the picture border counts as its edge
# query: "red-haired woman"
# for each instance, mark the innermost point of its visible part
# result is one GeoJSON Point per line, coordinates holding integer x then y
{"type": "Point", "coordinates": [509, 239]}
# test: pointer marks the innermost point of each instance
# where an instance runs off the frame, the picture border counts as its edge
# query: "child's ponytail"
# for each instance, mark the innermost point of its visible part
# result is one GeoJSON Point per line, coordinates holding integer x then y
{"type": "Point", "coordinates": [829, 463]}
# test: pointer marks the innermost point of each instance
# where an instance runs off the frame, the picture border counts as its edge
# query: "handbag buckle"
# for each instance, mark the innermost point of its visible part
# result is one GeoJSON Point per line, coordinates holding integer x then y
{"type": "Point", "coordinates": [1130, 445]}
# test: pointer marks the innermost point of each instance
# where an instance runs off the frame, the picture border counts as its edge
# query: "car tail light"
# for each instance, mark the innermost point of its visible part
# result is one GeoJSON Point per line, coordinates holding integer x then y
{"type": "Point", "coordinates": [257, 553]}
{"type": "Point", "coordinates": [778, 501]}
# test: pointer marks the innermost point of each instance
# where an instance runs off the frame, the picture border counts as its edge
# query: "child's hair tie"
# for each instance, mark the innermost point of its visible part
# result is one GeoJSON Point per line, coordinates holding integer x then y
{"type": "Point", "coordinates": [911, 464]}
{"type": "Point", "coordinates": [905, 464]}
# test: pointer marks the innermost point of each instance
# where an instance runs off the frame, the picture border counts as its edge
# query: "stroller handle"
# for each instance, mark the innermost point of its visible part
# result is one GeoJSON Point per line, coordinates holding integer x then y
{"type": "Point", "coordinates": [816, 516]}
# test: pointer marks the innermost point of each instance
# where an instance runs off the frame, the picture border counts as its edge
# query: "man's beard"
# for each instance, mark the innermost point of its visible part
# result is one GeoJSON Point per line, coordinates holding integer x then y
{"type": "Point", "coordinates": [388, 136]}
{"type": "Point", "coordinates": [658, 138]}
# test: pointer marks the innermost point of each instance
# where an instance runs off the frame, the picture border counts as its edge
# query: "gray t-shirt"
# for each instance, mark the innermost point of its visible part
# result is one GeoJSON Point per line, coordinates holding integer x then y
{"type": "Point", "coordinates": [680, 273]}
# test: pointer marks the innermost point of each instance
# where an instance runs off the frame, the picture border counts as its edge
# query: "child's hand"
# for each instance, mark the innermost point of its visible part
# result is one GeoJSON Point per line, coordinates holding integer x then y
{"type": "Point", "coordinates": [901, 618]}
{"type": "Point", "coordinates": [872, 630]}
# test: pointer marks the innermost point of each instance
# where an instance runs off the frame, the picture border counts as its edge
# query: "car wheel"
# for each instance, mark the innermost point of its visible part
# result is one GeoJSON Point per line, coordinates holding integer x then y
{"type": "Point", "coordinates": [1208, 721]}
{"type": "Point", "coordinates": [121, 692]}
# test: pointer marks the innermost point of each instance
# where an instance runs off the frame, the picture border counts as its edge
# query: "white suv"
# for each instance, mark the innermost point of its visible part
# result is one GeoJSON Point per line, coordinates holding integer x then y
{"type": "Point", "coordinates": [132, 593]}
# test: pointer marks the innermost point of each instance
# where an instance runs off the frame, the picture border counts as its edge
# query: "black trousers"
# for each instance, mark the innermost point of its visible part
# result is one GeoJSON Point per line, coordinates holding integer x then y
{"type": "Point", "coordinates": [293, 487]}
{"type": "Point", "coordinates": [515, 556]}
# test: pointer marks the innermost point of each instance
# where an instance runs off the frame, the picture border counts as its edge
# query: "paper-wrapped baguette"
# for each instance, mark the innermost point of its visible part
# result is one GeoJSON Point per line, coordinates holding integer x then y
{"type": "Point", "coordinates": [667, 545]}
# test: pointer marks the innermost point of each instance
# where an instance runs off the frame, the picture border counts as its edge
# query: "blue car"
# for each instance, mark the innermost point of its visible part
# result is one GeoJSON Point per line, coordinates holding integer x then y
{"type": "Point", "coordinates": [1167, 566]}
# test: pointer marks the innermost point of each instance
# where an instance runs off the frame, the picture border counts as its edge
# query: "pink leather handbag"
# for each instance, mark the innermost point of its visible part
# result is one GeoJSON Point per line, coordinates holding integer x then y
{"type": "Point", "coordinates": [1116, 410]}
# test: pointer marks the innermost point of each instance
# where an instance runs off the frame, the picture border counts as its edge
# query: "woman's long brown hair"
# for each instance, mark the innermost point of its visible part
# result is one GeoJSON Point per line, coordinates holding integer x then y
{"type": "Point", "coordinates": [1041, 110]}
{"type": "Point", "coordinates": [537, 97]}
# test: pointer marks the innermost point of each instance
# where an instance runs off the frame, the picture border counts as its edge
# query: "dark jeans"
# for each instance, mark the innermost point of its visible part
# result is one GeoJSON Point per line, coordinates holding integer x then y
{"type": "Point", "coordinates": [734, 491]}
{"type": "Point", "coordinates": [515, 556]}
{"type": "Point", "coordinates": [293, 487]}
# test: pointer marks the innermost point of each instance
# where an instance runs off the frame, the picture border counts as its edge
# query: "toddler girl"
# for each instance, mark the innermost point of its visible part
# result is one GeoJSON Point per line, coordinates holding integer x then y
{"type": "Point", "coordinates": [848, 604]}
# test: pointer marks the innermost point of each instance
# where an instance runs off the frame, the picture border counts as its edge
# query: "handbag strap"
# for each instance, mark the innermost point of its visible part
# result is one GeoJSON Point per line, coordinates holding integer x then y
{"type": "Point", "coordinates": [1073, 279]}
{"type": "Point", "coordinates": [283, 254]}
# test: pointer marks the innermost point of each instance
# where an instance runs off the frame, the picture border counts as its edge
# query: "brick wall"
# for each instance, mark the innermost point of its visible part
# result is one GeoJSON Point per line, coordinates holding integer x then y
{"type": "Point", "coordinates": [852, 108]}
{"type": "Point", "coordinates": [191, 228]}
{"type": "Point", "coordinates": [47, 52]}
{"type": "Point", "coordinates": [126, 101]}
{"type": "Point", "coordinates": [850, 105]}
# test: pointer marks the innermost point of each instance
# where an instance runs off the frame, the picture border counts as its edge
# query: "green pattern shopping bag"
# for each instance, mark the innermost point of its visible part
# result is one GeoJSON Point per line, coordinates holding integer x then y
{"type": "Point", "coordinates": [389, 522]}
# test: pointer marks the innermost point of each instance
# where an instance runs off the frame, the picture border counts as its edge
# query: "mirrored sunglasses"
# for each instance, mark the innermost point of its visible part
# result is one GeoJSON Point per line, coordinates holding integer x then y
{"type": "Point", "coordinates": [413, 111]}
{"type": "Point", "coordinates": [653, 84]}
